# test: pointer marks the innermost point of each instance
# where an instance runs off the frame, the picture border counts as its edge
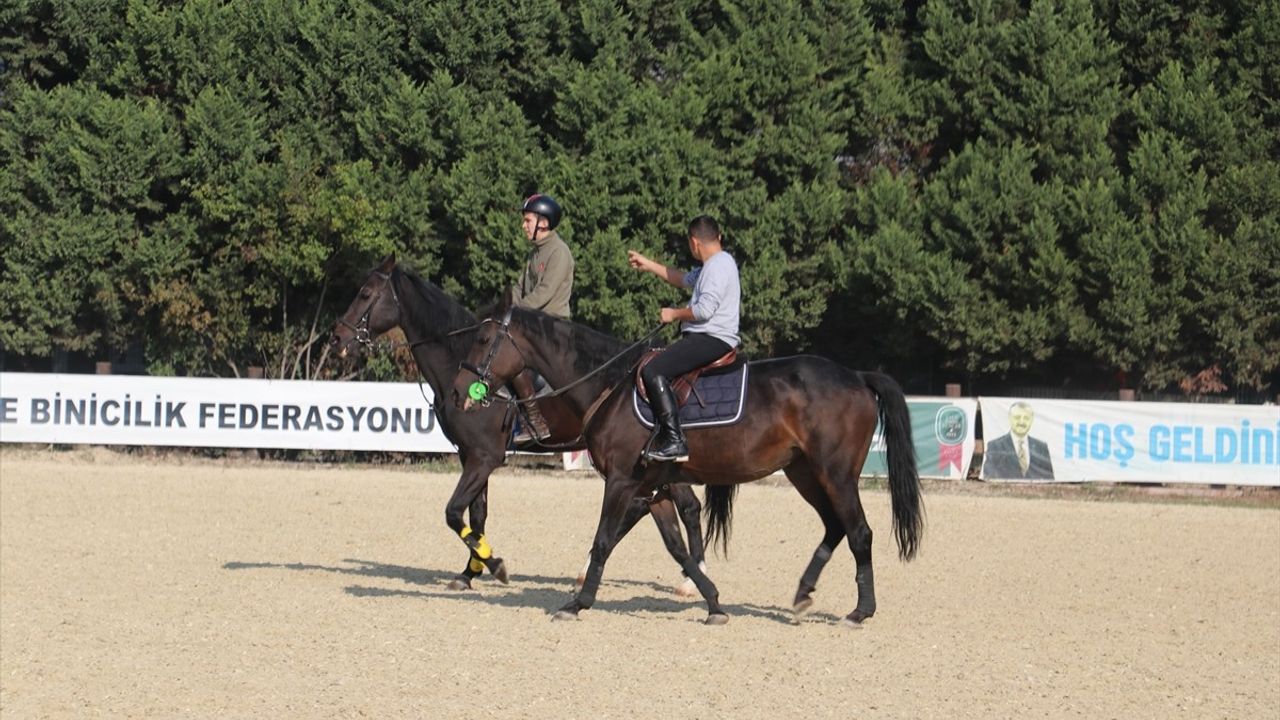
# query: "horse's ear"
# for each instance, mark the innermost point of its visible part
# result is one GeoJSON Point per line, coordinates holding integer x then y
{"type": "Point", "coordinates": [388, 263]}
{"type": "Point", "coordinates": [505, 302]}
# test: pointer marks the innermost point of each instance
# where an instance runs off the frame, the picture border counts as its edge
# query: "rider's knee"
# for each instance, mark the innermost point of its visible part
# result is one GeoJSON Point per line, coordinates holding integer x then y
{"type": "Point", "coordinates": [648, 374]}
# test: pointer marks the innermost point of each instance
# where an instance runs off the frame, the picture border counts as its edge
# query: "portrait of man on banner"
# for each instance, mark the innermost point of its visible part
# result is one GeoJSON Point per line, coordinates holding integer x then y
{"type": "Point", "coordinates": [1016, 455]}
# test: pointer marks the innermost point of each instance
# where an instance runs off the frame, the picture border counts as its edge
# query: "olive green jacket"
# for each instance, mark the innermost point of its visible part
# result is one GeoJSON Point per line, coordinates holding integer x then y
{"type": "Point", "coordinates": [547, 281]}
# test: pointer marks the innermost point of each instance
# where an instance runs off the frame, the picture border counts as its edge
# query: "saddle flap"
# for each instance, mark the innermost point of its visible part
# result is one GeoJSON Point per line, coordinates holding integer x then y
{"type": "Point", "coordinates": [720, 399]}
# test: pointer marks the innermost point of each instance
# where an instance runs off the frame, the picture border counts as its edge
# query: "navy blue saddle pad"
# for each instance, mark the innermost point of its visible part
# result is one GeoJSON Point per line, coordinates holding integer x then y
{"type": "Point", "coordinates": [725, 394]}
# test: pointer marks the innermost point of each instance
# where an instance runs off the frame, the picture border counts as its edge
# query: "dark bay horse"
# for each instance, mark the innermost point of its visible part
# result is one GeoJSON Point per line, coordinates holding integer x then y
{"type": "Point", "coordinates": [805, 415]}
{"type": "Point", "coordinates": [439, 332]}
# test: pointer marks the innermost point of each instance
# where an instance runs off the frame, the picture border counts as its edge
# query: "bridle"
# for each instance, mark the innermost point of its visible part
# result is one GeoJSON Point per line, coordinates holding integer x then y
{"type": "Point", "coordinates": [479, 391]}
{"type": "Point", "coordinates": [361, 328]}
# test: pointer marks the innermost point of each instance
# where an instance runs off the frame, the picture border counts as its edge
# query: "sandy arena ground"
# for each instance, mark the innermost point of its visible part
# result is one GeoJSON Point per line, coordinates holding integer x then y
{"type": "Point", "coordinates": [187, 588]}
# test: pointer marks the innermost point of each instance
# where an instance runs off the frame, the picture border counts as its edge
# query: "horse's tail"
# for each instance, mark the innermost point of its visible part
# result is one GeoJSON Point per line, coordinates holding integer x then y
{"type": "Point", "coordinates": [904, 480]}
{"type": "Point", "coordinates": [718, 508]}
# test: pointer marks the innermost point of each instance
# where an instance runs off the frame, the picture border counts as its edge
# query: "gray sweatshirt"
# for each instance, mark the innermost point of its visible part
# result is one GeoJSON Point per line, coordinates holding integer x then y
{"type": "Point", "coordinates": [716, 298]}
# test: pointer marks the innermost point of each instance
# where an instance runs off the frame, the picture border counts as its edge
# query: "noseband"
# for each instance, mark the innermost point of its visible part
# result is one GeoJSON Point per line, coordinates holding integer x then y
{"type": "Point", "coordinates": [360, 329]}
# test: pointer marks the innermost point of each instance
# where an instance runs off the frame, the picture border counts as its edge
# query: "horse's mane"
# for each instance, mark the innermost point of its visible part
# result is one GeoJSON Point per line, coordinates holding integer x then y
{"type": "Point", "coordinates": [588, 347]}
{"type": "Point", "coordinates": [437, 313]}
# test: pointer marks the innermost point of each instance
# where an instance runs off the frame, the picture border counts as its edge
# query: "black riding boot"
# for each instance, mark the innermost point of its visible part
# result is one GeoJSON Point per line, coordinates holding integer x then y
{"type": "Point", "coordinates": [669, 444]}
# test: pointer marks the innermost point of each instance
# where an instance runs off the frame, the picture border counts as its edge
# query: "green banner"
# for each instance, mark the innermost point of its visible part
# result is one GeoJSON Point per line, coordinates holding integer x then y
{"type": "Point", "coordinates": [943, 433]}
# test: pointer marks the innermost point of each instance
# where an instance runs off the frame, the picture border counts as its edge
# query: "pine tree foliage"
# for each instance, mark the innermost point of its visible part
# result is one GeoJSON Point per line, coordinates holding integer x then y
{"type": "Point", "coordinates": [1078, 192]}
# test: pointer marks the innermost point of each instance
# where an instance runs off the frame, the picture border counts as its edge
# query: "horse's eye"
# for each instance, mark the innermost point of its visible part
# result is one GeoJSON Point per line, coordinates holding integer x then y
{"type": "Point", "coordinates": [484, 340]}
{"type": "Point", "coordinates": [364, 294]}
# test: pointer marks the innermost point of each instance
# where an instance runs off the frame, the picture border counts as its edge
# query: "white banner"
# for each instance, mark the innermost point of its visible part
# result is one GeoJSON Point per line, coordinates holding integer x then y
{"type": "Point", "coordinates": [1076, 441]}
{"type": "Point", "coordinates": [213, 412]}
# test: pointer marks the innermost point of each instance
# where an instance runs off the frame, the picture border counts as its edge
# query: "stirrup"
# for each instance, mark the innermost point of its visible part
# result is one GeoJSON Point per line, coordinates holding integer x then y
{"type": "Point", "coordinates": [528, 434]}
{"type": "Point", "coordinates": [673, 452]}
{"type": "Point", "coordinates": [654, 456]}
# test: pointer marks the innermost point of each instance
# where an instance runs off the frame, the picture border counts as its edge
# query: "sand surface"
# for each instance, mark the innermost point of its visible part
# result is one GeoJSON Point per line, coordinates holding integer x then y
{"type": "Point", "coordinates": [167, 588]}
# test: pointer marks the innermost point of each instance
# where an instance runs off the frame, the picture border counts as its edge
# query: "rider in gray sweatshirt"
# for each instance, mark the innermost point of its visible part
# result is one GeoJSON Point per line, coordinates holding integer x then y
{"type": "Point", "coordinates": [709, 325]}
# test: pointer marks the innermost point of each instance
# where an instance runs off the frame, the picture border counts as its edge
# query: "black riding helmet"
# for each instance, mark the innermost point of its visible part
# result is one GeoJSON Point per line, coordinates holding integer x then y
{"type": "Point", "coordinates": [546, 207]}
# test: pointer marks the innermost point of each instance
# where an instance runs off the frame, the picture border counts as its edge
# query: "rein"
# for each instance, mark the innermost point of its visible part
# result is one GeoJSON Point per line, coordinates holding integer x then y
{"type": "Point", "coordinates": [582, 434]}
{"type": "Point", "coordinates": [479, 390]}
{"type": "Point", "coordinates": [484, 374]}
{"type": "Point", "coordinates": [607, 363]}
{"type": "Point", "coordinates": [468, 328]}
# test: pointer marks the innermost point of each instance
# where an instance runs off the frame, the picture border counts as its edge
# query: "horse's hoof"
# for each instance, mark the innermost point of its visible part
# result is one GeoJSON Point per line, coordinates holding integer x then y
{"type": "Point", "coordinates": [500, 572]}
{"type": "Point", "coordinates": [459, 584]}
{"type": "Point", "coordinates": [564, 615]}
{"type": "Point", "coordinates": [687, 589]}
{"type": "Point", "coordinates": [854, 619]}
{"type": "Point", "coordinates": [716, 619]}
{"type": "Point", "coordinates": [801, 608]}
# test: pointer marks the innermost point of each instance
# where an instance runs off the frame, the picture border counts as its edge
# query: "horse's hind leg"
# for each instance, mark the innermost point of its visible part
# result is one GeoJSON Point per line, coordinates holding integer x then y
{"type": "Point", "coordinates": [848, 505]}
{"type": "Point", "coordinates": [806, 482]}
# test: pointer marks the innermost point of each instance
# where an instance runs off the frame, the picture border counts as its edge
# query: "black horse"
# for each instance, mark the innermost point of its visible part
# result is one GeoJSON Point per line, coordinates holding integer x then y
{"type": "Point", "coordinates": [439, 331]}
{"type": "Point", "coordinates": [806, 415]}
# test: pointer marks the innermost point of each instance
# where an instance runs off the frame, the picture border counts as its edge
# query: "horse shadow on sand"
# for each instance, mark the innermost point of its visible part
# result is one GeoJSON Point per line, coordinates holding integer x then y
{"type": "Point", "coordinates": [541, 592]}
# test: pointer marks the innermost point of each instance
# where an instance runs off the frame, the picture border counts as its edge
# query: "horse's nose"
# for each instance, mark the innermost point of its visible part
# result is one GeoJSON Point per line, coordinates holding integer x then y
{"type": "Point", "coordinates": [462, 402]}
{"type": "Point", "coordinates": [335, 343]}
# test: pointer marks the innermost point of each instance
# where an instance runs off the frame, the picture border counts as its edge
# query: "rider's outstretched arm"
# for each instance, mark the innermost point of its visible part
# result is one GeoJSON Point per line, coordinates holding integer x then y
{"type": "Point", "coordinates": [674, 276]}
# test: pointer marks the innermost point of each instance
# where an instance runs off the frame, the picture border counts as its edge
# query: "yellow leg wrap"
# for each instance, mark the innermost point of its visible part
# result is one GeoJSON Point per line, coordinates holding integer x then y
{"type": "Point", "coordinates": [480, 546]}
{"type": "Point", "coordinates": [476, 565]}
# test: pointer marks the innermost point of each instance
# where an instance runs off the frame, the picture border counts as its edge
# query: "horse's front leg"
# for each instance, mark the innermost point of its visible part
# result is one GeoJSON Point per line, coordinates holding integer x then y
{"type": "Point", "coordinates": [619, 491]}
{"type": "Point", "coordinates": [636, 509]}
{"type": "Point", "coordinates": [472, 497]}
{"type": "Point", "coordinates": [688, 507]}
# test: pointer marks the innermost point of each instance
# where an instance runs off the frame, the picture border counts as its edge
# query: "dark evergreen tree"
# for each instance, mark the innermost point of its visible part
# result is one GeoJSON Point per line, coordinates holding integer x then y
{"type": "Point", "coordinates": [996, 191]}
